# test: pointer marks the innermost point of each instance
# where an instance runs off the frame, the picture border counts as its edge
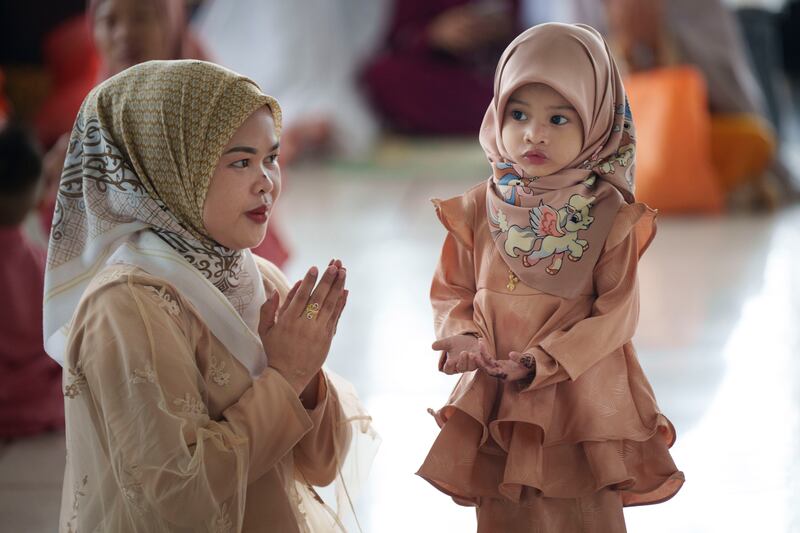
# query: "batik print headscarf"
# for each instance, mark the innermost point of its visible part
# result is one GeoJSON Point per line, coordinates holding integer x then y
{"type": "Point", "coordinates": [138, 167]}
{"type": "Point", "coordinates": [550, 229]}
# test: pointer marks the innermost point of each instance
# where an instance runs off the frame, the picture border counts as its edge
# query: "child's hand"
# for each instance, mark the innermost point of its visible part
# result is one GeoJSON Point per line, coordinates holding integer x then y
{"type": "Point", "coordinates": [518, 365]}
{"type": "Point", "coordinates": [460, 353]}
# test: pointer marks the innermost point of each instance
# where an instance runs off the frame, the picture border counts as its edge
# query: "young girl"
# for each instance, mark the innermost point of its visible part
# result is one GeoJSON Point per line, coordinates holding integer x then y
{"type": "Point", "coordinates": [553, 425]}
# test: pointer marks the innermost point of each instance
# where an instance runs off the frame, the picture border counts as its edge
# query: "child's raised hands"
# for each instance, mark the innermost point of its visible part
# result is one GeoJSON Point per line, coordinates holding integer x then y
{"type": "Point", "coordinates": [518, 365]}
{"type": "Point", "coordinates": [460, 353]}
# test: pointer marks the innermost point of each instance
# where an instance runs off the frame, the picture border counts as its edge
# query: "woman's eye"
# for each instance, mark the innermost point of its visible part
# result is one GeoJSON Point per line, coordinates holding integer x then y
{"type": "Point", "coordinates": [242, 163]}
{"type": "Point", "coordinates": [558, 120]}
{"type": "Point", "coordinates": [272, 159]}
{"type": "Point", "coordinates": [518, 115]}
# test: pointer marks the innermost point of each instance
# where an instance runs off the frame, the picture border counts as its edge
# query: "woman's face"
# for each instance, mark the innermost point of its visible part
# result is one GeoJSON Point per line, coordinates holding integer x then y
{"type": "Point", "coordinates": [129, 32]}
{"type": "Point", "coordinates": [541, 131]}
{"type": "Point", "coordinates": [245, 184]}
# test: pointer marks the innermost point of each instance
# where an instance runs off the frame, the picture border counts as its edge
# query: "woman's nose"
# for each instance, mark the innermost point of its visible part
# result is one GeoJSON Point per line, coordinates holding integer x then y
{"type": "Point", "coordinates": [265, 185]}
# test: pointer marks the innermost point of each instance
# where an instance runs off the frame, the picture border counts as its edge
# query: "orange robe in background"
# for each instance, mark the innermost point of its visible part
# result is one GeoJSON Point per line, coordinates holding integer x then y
{"type": "Point", "coordinates": [586, 437]}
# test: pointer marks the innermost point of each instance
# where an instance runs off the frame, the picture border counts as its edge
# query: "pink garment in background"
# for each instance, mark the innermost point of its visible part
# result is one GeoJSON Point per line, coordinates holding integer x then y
{"type": "Point", "coordinates": [30, 382]}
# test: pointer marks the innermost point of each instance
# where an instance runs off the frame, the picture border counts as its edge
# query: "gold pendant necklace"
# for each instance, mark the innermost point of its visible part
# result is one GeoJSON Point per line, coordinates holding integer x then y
{"type": "Point", "coordinates": [512, 281]}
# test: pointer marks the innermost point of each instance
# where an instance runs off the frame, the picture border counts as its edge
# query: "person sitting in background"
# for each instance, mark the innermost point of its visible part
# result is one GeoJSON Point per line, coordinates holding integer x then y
{"type": "Point", "coordinates": [311, 67]}
{"type": "Point", "coordinates": [435, 74]}
{"type": "Point", "coordinates": [125, 33]}
{"type": "Point", "coordinates": [30, 382]}
{"type": "Point", "coordinates": [655, 34]}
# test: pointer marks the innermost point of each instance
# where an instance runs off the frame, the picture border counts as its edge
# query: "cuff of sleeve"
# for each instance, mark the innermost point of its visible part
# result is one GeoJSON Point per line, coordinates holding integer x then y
{"type": "Point", "coordinates": [318, 411]}
{"type": "Point", "coordinates": [546, 368]}
{"type": "Point", "coordinates": [272, 419]}
{"type": "Point", "coordinates": [550, 349]}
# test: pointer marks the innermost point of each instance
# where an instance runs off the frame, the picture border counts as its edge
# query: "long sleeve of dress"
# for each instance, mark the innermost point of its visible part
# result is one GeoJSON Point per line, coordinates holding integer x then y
{"type": "Point", "coordinates": [135, 368]}
{"type": "Point", "coordinates": [453, 290]}
{"type": "Point", "coordinates": [453, 287]}
{"type": "Point", "coordinates": [321, 450]}
{"type": "Point", "coordinates": [567, 353]}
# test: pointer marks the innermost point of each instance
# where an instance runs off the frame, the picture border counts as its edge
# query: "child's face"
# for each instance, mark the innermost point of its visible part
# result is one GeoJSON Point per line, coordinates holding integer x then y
{"type": "Point", "coordinates": [542, 132]}
{"type": "Point", "coordinates": [244, 185]}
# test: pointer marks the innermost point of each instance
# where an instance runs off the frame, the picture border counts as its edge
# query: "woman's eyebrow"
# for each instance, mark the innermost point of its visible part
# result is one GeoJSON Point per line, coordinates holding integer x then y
{"type": "Point", "coordinates": [245, 149]}
{"type": "Point", "coordinates": [249, 149]}
{"type": "Point", "coordinates": [564, 106]}
{"type": "Point", "coordinates": [513, 100]}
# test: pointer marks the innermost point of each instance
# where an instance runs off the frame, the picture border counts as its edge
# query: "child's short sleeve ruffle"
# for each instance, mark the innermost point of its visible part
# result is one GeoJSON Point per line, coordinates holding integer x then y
{"type": "Point", "coordinates": [458, 214]}
{"type": "Point", "coordinates": [638, 218]}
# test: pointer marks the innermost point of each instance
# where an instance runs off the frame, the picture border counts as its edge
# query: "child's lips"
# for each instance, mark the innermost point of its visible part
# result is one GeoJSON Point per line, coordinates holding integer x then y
{"type": "Point", "coordinates": [535, 157]}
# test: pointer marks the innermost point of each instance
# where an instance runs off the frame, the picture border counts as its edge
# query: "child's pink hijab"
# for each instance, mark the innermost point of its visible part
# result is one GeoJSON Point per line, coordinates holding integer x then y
{"type": "Point", "coordinates": [550, 230]}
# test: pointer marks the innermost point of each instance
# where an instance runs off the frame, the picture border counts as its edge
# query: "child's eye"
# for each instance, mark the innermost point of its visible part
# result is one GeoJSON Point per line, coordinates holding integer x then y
{"type": "Point", "coordinates": [518, 115]}
{"type": "Point", "coordinates": [558, 120]}
{"type": "Point", "coordinates": [242, 163]}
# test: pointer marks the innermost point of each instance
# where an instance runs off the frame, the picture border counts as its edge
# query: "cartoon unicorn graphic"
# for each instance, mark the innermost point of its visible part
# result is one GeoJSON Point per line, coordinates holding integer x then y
{"type": "Point", "coordinates": [552, 233]}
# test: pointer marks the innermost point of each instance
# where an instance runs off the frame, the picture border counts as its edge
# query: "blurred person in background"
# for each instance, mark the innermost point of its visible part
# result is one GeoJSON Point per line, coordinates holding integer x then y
{"type": "Point", "coordinates": [3, 101]}
{"type": "Point", "coordinates": [309, 59]}
{"type": "Point", "coordinates": [30, 382]}
{"type": "Point", "coordinates": [125, 33]}
{"type": "Point", "coordinates": [434, 75]}
{"type": "Point", "coordinates": [652, 35]}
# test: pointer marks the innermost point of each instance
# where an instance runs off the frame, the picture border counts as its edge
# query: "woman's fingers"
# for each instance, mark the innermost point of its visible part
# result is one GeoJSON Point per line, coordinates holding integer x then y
{"type": "Point", "coordinates": [320, 293]}
{"type": "Point", "coordinates": [334, 320]}
{"type": "Point", "coordinates": [290, 297]}
{"type": "Point", "coordinates": [333, 296]}
{"type": "Point", "coordinates": [300, 299]}
{"type": "Point", "coordinates": [269, 310]}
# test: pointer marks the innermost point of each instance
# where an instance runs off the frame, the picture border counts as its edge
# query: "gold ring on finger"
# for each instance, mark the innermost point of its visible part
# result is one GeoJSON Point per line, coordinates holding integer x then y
{"type": "Point", "coordinates": [311, 311]}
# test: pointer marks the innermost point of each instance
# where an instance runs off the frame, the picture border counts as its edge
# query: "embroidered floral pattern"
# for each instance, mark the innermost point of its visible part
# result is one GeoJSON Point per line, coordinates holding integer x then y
{"type": "Point", "coordinates": [166, 300]}
{"type": "Point", "coordinates": [77, 382]}
{"type": "Point", "coordinates": [109, 275]}
{"type": "Point", "coordinates": [222, 524]}
{"type": "Point", "coordinates": [77, 492]}
{"type": "Point", "coordinates": [132, 488]}
{"type": "Point", "coordinates": [217, 372]}
{"type": "Point", "coordinates": [190, 406]}
{"type": "Point", "coordinates": [146, 375]}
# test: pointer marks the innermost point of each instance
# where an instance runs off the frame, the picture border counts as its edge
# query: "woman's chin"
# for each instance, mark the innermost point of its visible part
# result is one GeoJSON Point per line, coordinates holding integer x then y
{"type": "Point", "coordinates": [258, 238]}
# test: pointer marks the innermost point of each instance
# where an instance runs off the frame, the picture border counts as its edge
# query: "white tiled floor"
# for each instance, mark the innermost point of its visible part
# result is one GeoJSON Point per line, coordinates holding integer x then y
{"type": "Point", "coordinates": [718, 337]}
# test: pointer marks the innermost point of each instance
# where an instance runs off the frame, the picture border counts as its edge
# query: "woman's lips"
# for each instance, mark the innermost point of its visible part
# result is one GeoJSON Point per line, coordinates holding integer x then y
{"type": "Point", "coordinates": [535, 157]}
{"type": "Point", "coordinates": [259, 214]}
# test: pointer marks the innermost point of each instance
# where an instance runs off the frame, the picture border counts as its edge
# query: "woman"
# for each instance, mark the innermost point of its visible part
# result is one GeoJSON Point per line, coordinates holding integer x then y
{"type": "Point", "coordinates": [125, 33]}
{"type": "Point", "coordinates": [161, 316]}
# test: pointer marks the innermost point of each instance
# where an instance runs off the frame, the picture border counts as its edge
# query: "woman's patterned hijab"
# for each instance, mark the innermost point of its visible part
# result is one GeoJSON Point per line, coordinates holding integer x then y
{"type": "Point", "coordinates": [141, 155]}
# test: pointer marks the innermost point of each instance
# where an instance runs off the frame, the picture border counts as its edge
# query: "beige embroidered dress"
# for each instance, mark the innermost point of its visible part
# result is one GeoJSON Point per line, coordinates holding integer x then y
{"type": "Point", "coordinates": [586, 437]}
{"type": "Point", "coordinates": [167, 431]}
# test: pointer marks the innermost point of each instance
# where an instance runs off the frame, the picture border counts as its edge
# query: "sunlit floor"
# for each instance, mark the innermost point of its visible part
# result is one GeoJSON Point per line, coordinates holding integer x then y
{"type": "Point", "coordinates": [718, 337]}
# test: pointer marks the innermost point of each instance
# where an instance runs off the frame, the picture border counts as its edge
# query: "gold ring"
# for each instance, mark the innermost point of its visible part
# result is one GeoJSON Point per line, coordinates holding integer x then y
{"type": "Point", "coordinates": [311, 311]}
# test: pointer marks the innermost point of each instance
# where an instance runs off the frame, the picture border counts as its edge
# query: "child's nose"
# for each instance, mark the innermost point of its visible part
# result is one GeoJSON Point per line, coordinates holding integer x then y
{"type": "Point", "coordinates": [536, 134]}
